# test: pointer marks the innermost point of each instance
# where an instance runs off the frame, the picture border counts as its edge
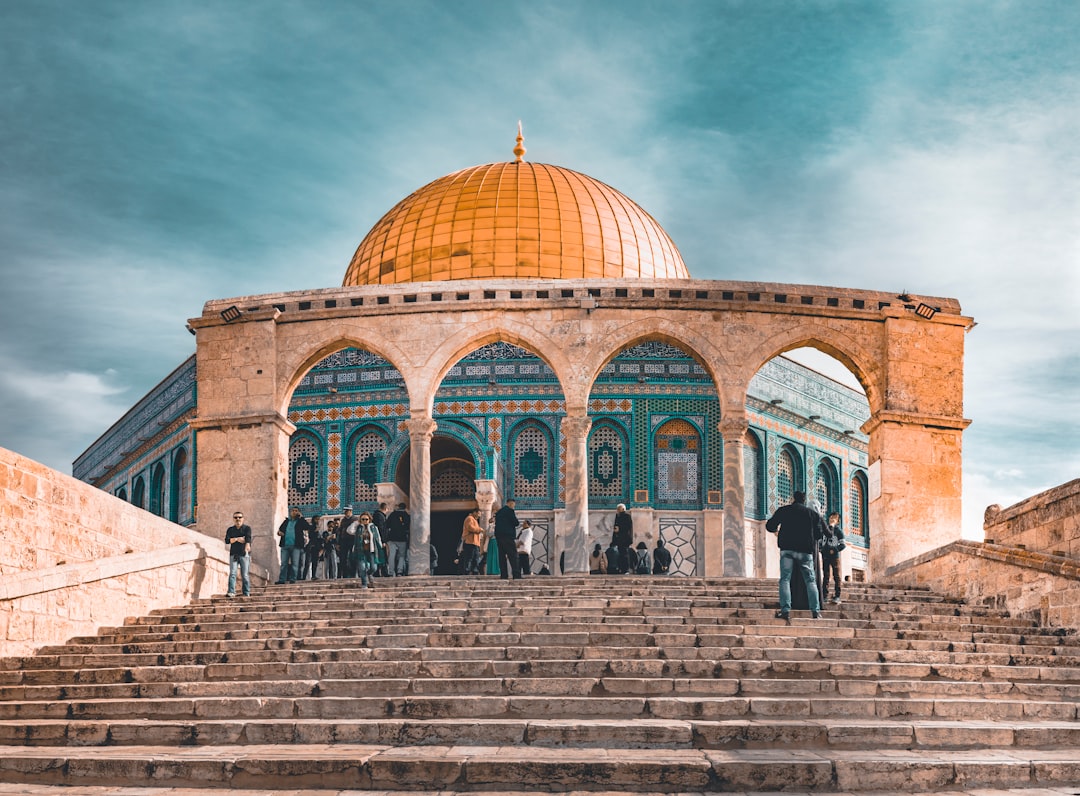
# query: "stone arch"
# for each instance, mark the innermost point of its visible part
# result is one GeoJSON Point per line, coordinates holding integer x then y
{"type": "Point", "coordinates": [701, 349]}
{"type": "Point", "coordinates": [860, 359]}
{"type": "Point", "coordinates": [296, 364]}
{"type": "Point", "coordinates": [503, 330]}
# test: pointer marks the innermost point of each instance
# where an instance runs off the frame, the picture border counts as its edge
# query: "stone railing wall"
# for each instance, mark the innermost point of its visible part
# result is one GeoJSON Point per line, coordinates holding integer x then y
{"type": "Point", "coordinates": [1024, 582]}
{"type": "Point", "coordinates": [74, 558]}
{"type": "Point", "coordinates": [1045, 523]}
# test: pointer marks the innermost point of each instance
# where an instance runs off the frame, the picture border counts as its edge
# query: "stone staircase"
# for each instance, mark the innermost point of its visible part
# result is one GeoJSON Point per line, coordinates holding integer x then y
{"type": "Point", "coordinates": [604, 684]}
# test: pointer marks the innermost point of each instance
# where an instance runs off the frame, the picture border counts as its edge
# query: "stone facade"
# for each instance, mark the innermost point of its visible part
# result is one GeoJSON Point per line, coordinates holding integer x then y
{"type": "Point", "coordinates": [1046, 523]}
{"type": "Point", "coordinates": [75, 558]}
{"type": "Point", "coordinates": [251, 359]}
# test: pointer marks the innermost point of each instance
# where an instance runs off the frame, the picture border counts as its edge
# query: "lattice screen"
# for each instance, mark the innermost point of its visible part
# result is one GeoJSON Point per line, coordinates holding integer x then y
{"type": "Point", "coordinates": [606, 462]}
{"type": "Point", "coordinates": [303, 472]}
{"type": "Point", "coordinates": [531, 458]}
{"type": "Point", "coordinates": [366, 455]}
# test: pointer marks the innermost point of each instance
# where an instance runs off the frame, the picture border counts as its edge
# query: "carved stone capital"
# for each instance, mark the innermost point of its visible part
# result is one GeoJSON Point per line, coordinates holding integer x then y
{"type": "Point", "coordinates": [421, 428]}
{"type": "Point", "coordinates": [733, 426]}
{"type": "Point", "coordinates": [576, 427]}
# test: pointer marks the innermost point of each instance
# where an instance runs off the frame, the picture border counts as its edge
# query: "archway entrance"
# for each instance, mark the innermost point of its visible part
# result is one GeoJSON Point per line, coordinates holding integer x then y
{"type": "Point", "coordinates": [453, 496]}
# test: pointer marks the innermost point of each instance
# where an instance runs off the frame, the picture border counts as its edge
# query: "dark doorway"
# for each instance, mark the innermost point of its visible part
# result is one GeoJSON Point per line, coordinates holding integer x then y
{"type": "Point", "coordinates": [445, 535]}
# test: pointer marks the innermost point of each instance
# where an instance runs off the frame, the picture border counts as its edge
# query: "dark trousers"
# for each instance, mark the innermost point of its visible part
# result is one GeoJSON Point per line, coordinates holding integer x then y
{"type": "Point", "coordinates": [469, 561]}
{"type": "Point", "coordinates": [524, 564]}
{"type": "Point", "coordinates": [830, 564]}
{"type": "Point", "coordinates": [508, 557]}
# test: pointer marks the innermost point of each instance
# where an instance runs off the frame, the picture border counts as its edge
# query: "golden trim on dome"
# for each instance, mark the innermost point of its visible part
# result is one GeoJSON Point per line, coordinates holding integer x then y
{"type": "Point", "coordinates": [519, 148]}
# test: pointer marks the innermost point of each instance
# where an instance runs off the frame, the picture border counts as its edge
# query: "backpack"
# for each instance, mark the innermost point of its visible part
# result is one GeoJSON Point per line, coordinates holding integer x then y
{"type": "Point", "coordinates": [642, 567]}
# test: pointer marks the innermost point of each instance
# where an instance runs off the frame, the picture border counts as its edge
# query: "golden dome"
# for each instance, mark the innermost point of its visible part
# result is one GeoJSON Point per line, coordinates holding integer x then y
{"type": "Point", "coordinates": [517, 219]}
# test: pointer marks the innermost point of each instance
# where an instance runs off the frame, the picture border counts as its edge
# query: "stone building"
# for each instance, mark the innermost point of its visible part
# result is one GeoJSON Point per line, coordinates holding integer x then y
{"type": "Point", "coordinates": [522, 330]}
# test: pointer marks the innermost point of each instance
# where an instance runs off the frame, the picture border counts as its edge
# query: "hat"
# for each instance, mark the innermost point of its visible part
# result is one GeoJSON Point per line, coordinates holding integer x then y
{"type": "Point", "coordinates": [348, 508]}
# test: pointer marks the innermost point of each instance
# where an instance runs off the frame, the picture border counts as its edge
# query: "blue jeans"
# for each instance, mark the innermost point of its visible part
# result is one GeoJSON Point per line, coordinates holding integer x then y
{"type": "Point", "coordinates": [398, 558]}
{"type": "Point", "coordinates": [365, 565]}
{"type": "Point", "coordinates": [243, 563]}
{"type": "Point", "coordinates": [805, 561]}
{"type": "Point", "coordinates": [290, 564]}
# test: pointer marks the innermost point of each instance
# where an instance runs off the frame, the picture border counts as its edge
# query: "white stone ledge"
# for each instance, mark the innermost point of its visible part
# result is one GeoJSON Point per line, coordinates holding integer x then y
{"type": "Point", "coordinates": [69, 576]}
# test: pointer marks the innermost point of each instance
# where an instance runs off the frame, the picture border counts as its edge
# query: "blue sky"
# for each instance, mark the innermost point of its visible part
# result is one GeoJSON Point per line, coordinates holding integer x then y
{"type": "Point", "coordinates": [157, 154]}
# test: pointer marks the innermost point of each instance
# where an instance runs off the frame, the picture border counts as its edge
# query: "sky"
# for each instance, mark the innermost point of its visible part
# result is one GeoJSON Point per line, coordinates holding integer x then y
{"type": "Point", "coordinates": [158, 154]}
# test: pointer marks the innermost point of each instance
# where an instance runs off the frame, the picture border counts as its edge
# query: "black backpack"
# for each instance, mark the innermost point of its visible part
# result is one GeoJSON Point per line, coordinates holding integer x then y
{"type": "Point", "coordinates": [642, 567]}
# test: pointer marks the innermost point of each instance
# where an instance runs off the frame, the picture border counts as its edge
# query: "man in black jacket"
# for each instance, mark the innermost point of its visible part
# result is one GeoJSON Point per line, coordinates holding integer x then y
{"type": "Point", "coordinates": [506, 523]}
{"type": "Point", "coordinates": [292, 535]}
{"type": "Point", "coordinates": [398, 527]}
{"type": "Point", "coordinates": [800, 528]}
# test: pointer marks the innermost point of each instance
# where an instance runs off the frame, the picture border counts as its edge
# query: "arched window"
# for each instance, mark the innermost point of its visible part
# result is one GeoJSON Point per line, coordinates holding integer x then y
{"type": "Point", "coordinates": [677, 444]}
{"type": "Point", "coordinates": [369, 448]}
{"type": "Point", "coordinates": [180, 487]}
{"type": "Point", "coordinates": [138, 493]}
{"type": "Point", "coordinates": [787, 475]}
{"type": "Point", "coordinates": [856, 523]}
{"type": "Point", "coordinates": [453, 479]}
{"type": "Point", "coordinates": [121, 493]}
{"type": "Point", "coordinates": [753, 465]}
{"type": "Point", "coordinates": [607, 462]}
{"type": "Point", "coordinates": [303, 471]}
{"type": "Point", "coordinates": [531, 450]}
{"type": "Point", "coordinates": [826, 493]}
{"type": "Point", "coordinates": [157, 489]}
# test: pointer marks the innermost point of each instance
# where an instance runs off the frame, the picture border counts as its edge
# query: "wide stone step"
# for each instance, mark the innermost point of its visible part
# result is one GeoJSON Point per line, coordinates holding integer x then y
{"type": "Point", "coordinates": [501, 769]}
{"type": "Point", "coordinates": [535, 703]}
{"type": "Point", "coordinates": [581, 733]}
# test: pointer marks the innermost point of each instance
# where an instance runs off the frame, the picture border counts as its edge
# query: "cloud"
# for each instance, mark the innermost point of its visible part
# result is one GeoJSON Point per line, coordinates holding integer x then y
{"type": "Point", "coordinates": [53, 409]}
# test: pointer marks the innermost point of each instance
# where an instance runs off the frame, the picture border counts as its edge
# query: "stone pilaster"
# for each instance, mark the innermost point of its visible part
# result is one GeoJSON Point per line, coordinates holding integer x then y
{"type": "Point", "coordinates": [915, 487]}
{"type": "Point", "coordinates": [733, 430]}
{"type": "Point", "coordinates": [575, 537]}
{"type": "Point", "coordinates": [243, 466]}
{"type": "Point", "coordinates": [420, 431]}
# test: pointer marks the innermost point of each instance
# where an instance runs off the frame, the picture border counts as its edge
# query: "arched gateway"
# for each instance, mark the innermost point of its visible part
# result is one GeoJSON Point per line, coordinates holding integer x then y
{"type": "Point", "coordinates": [567, 267]}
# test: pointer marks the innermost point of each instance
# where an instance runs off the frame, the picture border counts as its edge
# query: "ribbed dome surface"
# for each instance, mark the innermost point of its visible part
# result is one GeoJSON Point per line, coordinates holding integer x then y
{"type": "Point", "coordinates": [515, 219]}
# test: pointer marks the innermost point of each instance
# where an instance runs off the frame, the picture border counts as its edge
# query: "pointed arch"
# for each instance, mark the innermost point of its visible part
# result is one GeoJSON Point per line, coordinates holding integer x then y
{"type": "Point", "coordinates": [306, 463]}
{"type": "Point", "coordinates": [609, 464]}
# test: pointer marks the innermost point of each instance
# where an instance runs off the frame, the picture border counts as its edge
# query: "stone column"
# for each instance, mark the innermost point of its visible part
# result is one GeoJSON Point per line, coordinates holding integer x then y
{"type": "Point", "coordinates": [733, 430]}
{"type": "Point", "coordinates": [420, 432]}
{"type": "Point", "coordinates": [243, 466]}
{"type": "Point", "coordinates": [487, 493]}
{"type": "Point", "coordinates": [575, 540]}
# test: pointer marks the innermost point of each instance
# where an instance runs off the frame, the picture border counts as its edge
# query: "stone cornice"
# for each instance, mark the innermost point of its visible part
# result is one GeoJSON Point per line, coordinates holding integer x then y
{"type": "Point", "coordinates": [580, 295]}
{"type": "Point", "coordinates": [913, 419]}
{"type": "Point", "coordinates": [242, 421]}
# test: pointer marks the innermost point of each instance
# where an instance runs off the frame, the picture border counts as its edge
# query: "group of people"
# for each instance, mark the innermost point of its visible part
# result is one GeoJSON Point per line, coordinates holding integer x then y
{"type": "Point", "coordinates": [622, 558]}
{"type": "Point", "coordinates": [362, 546]}
{"type": "Point", "coordinates": [504, 549]}
{"type": "Point", "coordinates": [802, 534]}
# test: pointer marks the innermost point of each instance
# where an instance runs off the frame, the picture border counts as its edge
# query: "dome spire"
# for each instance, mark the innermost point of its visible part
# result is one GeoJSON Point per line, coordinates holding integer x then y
{"type": "Point", "coordinates": [519, 148]}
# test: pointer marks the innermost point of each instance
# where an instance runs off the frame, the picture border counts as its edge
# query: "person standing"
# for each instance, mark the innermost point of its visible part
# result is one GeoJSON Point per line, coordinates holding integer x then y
{"type": "Point", "coordinates": [624, 537]}
{"type": "Point", "coordinates": [379, 518]}
{"type": "Point", "coordinates": [524, 547]}
{"type": "Point", "coordinates": [830, 557]}
{"type": "Point", "coordinates": [661, 558]}
{"type": "Point", "coordinates": [346, 540]}
{"type": "Point", "coordinates": [366, 550]}
{"type": "Point", "coordinates": [238, 538]}
{"type": "Point", "coordinates": [292, 534]}
{"type": "Point", "coordinates": [330, 550]}
{"type": "Point", "coordinates": [798, 528]}
{"type": "Point", "coordinates": [506, 523]}
{"type": "Point", "coordinates": [472, 540]}
{"type": "Point", "coordinates": [397, 537]}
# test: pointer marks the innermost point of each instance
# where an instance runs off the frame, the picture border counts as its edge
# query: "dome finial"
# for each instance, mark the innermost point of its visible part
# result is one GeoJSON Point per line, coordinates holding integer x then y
{"type": "Point", "coordinates": [519, 148]}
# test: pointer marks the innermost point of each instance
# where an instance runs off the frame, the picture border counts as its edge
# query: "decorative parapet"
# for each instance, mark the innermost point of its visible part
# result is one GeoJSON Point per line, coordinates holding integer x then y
{"type": "Point", "coordinates": [1020, 581]}
{"type": "Point", "coordinates": [585, 294]}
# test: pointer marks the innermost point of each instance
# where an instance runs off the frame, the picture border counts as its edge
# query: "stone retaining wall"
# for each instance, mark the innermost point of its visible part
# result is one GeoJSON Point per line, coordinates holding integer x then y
{"type": "Point", "coordinates": [1024, 582]}
{"type": "Point", "coordinates": [1047, 523]}
{"type": "Point", "coordinates": [74, 558]}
